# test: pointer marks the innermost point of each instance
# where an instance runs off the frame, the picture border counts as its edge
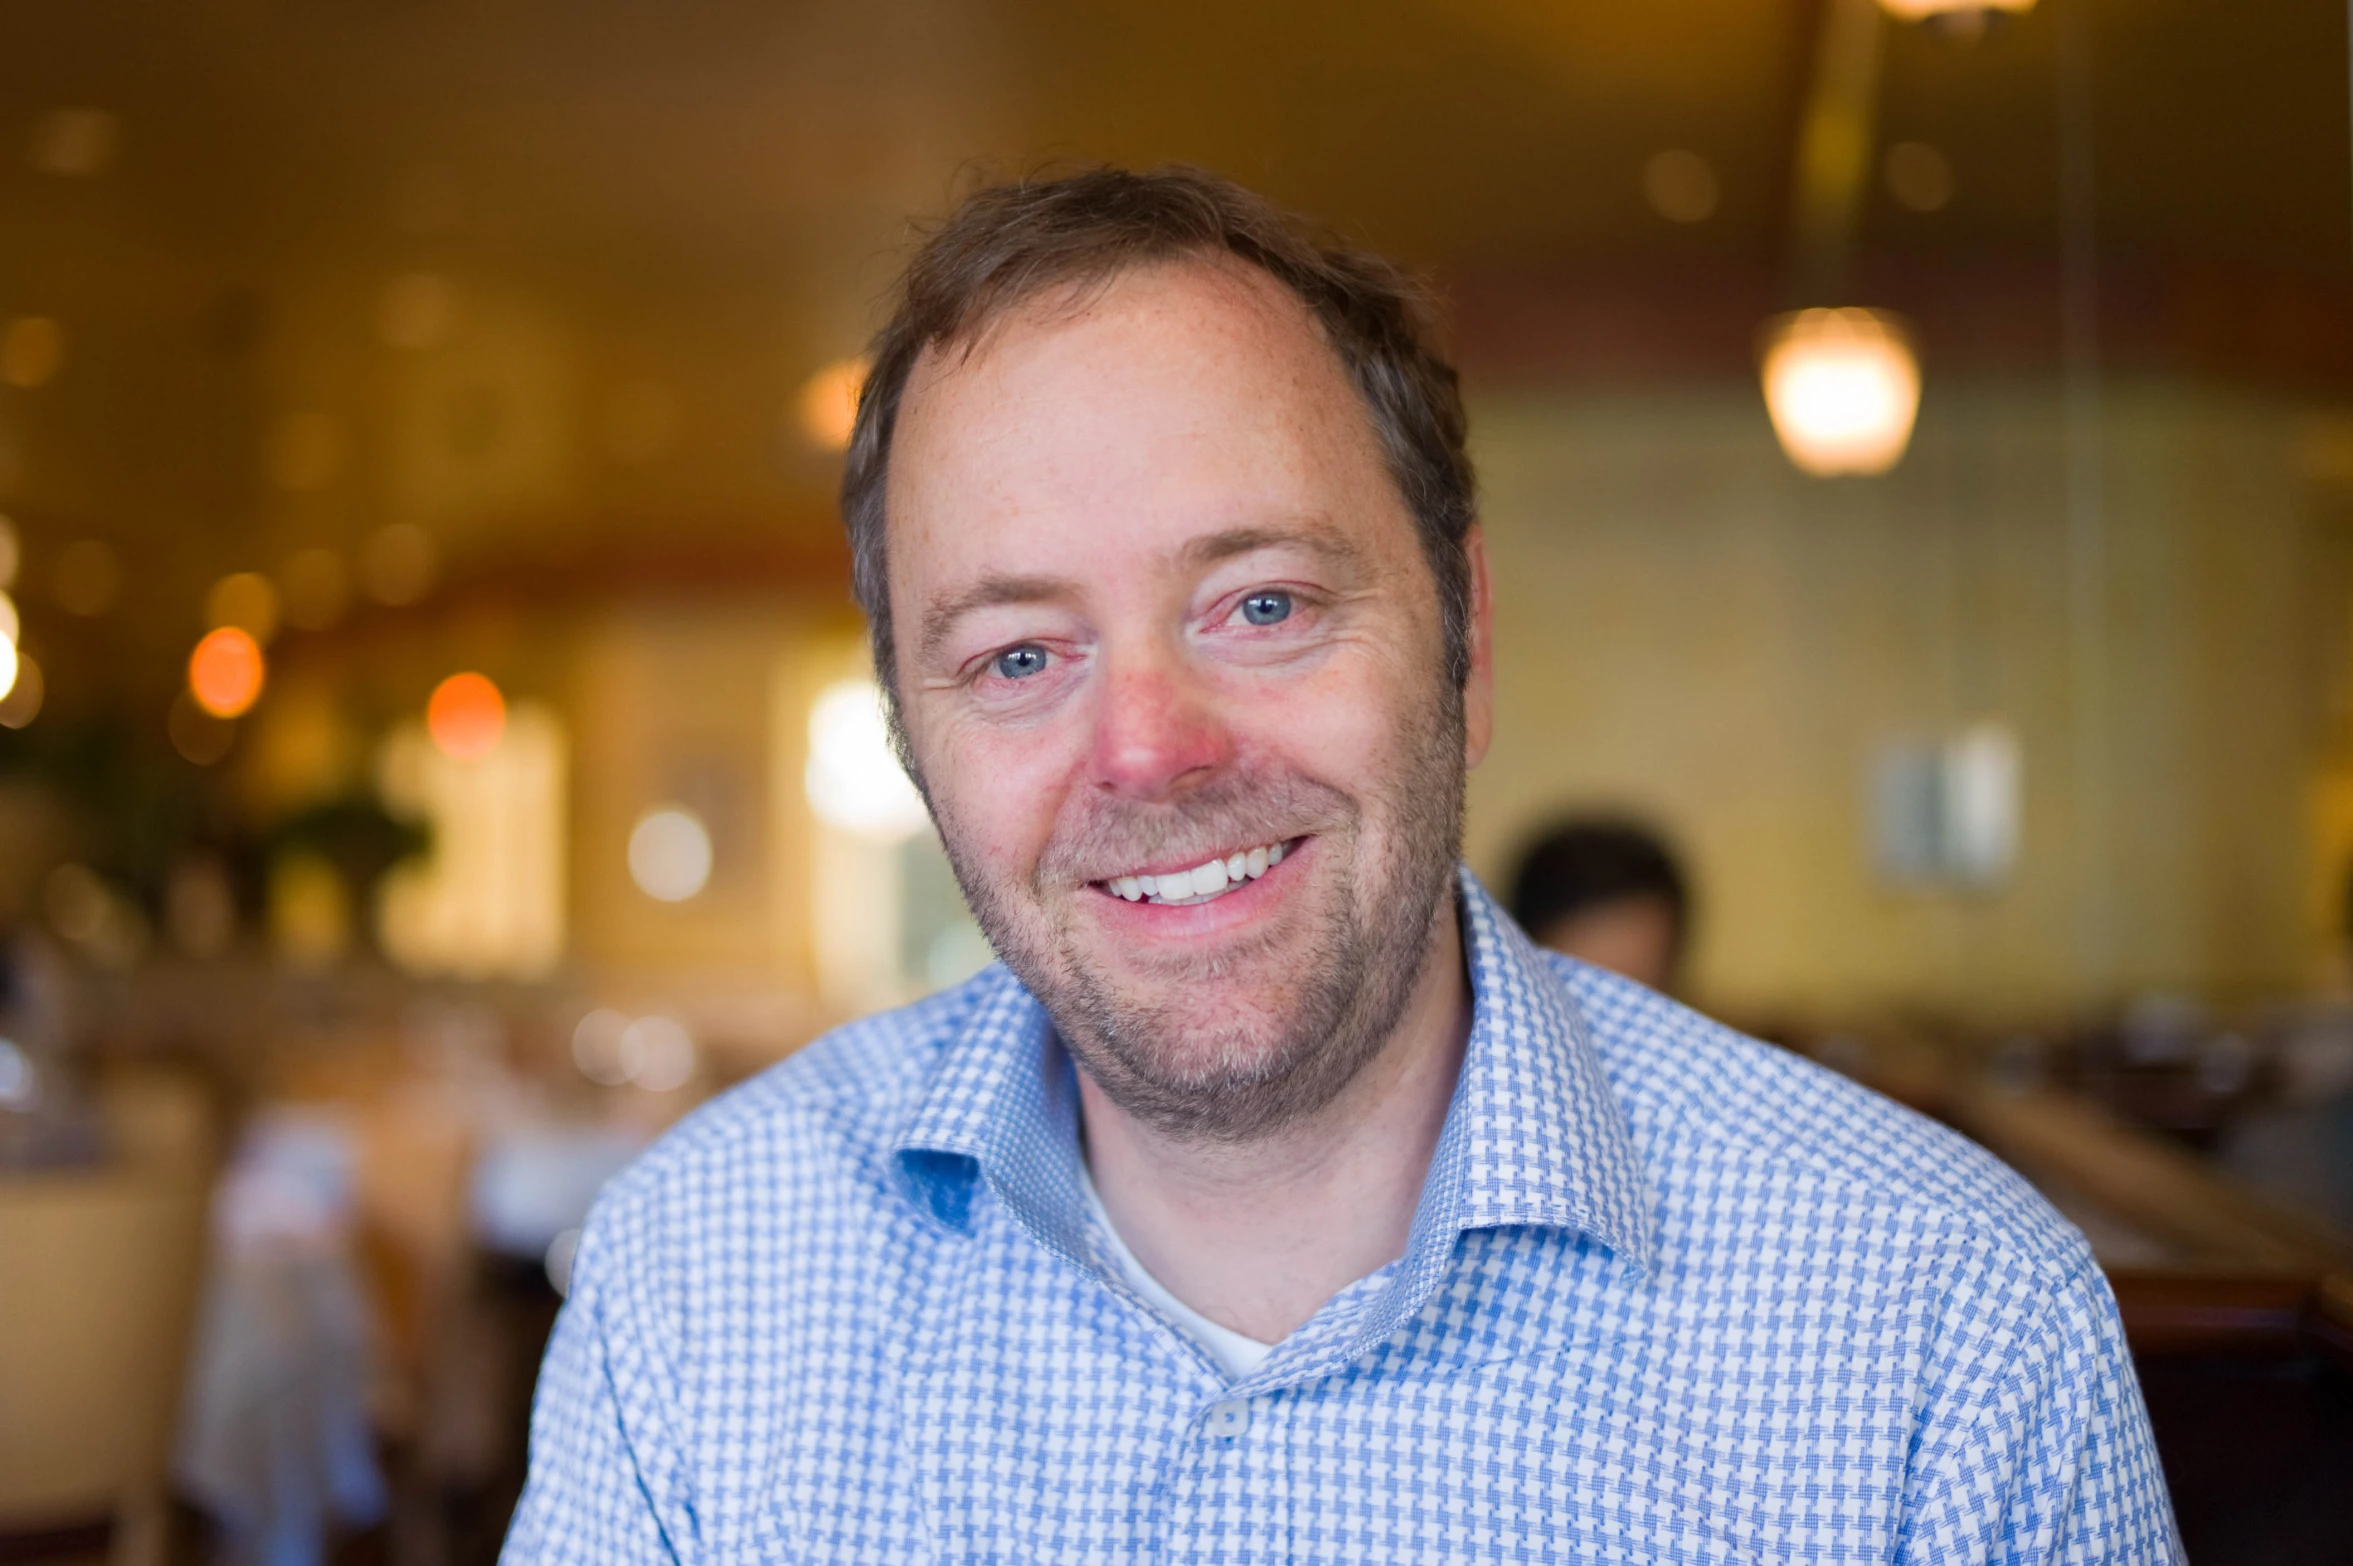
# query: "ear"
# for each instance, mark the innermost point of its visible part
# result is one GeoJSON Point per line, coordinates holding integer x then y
{"type": "Point", "coordinates": [1478, 691]}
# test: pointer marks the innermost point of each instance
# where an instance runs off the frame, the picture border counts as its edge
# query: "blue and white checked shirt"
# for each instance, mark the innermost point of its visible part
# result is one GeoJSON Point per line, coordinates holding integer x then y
{"type": "Point", "coordinates": [1671, 1296]}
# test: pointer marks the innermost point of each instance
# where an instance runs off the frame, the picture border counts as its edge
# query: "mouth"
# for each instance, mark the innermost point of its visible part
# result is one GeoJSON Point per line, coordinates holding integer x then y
{"type": "Point", "coordinates": [1203, 883]}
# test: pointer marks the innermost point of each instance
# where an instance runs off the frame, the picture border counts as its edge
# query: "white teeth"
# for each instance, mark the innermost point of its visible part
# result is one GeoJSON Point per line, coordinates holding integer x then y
{"type": "Point", "coordinates": [1199, 884]}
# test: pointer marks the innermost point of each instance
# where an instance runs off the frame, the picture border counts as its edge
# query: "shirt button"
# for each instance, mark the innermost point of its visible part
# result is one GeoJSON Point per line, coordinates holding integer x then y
{"type": "Point", "coordinates": [1229, 1419]}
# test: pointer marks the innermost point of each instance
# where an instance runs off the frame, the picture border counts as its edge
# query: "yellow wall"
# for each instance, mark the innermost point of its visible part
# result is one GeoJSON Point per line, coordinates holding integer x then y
{"type": "Point", "coordinates": [1688, 628]}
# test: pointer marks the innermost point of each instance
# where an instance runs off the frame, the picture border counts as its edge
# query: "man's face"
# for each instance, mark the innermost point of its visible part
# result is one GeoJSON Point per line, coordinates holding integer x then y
{"type": "Point", "coordinates": [1173, 673]}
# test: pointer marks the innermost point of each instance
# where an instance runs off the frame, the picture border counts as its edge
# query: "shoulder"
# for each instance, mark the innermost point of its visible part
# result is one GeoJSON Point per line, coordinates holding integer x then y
{"type": "Point", "coordinates": [1721, 1108]}
{"type": "Point", "coordinates": [816, 1127]}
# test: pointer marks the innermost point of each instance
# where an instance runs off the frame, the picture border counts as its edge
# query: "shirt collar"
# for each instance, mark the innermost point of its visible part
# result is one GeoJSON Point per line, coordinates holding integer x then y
{"type": "Point", "coordinates": [1534, 1135]}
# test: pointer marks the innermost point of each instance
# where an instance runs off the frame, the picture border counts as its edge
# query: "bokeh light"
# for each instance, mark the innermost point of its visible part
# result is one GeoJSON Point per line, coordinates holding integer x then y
{"type": "Point", "coordinates": [1681, 186]}
{"type": "Point", "coordinates": [466, 716]}
{"type": "Point", "coordinates": [670, 854]}
{"type": "Point", "coordinates": [660, 1053]}
{"type": "Point", "coordinates": [246, 600]}
{"type": "Point", "coordinates": [1924, 10]}
{"type": "Point", "coordinates": [22, 704]}
{"type": "Point", "coordinates": [200, 737]}
{"type": "Point", "coordinates": [557, 1261]}
{"type": "Point", "coordinates": [226, 671]}
{"type": "Point", "coordinates": [10, 664]}
{"type": "Point", "coordinates": [854, 779]}
{"type": "Point", "coordinates": [596, 1047]}
{"type": "Point", "coordinates": [74, 143]}
{"type": "Point", "coordinates": [1843, 388]}
{"type": "Point", "coordinates": [1918, 176]}
{"type": "Point", "coordinates": [11, 552]}
{"type": "Point", "coordinates": [827, 408]}
{"type": "Point", "coordinates": [656, 1053]}
{"type": "Point", "coordinates": [32, 352]}
{"type": "Point", "coordinates": [397, 564]}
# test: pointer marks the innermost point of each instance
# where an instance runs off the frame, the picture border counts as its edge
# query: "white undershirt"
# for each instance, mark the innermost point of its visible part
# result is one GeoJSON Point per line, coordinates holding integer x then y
{"type": "Point", "coordinates": [1235, 1354]}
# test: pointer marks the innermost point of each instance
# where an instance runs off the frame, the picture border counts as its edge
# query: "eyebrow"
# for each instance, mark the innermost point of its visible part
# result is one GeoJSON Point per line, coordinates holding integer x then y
{"type": "Point", "coordinates": [940, 616]}
{"type": "Point", "coordinates": [1317, 537]}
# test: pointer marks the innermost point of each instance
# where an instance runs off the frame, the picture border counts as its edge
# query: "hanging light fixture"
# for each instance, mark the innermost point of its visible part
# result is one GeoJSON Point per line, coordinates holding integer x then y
{"type": "Point", "coordinates": [1842, 387]}
{"type": "Point", "coordinates": [1925, 10]}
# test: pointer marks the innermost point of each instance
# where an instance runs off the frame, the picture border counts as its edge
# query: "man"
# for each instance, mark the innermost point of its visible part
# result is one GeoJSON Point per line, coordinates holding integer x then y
{"type": "Point", "coordinates": [1276, 1199]}
{"type": "Point", "coordinates": [1608, 893]}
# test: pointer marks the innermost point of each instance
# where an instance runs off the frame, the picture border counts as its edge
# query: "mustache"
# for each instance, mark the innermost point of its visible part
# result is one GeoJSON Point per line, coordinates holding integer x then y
{"type": "Point", "coordinates": [1106, 836]}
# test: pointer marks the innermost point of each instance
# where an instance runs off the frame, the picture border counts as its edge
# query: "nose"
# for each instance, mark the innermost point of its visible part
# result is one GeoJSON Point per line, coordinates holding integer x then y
{"type": "Point", "coordinates": [1157, 733]}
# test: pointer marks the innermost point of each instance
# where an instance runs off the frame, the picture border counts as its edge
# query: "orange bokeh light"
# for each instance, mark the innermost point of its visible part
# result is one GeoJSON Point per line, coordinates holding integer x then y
{"type": "Point", "coordinates": [829, 403]}
{"type": "Point", "coordinates": [466, 716]}
{"type": "Point", "coordinates": [225, 672]}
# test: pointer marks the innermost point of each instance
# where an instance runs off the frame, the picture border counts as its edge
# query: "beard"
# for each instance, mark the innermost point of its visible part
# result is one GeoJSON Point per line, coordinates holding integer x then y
{"type": "Point", "coordinates": [1160, 1042]}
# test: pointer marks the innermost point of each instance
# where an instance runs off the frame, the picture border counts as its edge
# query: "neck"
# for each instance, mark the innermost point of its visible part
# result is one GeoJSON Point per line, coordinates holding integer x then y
{"type": "Point", "coordinates": [1256, 1236]}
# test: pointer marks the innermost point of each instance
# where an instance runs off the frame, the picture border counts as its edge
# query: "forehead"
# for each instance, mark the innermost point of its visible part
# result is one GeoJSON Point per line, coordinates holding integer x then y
{"type": "Point", "coordinates": [1179, 398]}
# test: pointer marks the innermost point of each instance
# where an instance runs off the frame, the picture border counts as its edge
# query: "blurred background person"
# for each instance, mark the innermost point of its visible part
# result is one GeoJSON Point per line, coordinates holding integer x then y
{"type": "Point", "coordinates": [1607, 891]}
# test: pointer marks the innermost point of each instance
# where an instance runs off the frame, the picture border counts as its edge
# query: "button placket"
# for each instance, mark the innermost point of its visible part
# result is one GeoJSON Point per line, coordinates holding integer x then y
{"type": "Point", "coordinates": [1228, 1419]}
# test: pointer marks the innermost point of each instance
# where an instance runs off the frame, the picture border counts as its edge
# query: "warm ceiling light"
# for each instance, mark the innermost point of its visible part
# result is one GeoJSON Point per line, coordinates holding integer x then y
{"type": "Point", "coordinates": [225, 672]}
{"type": "Point", "coordinates": [1922, 10]}
{"type": "Point", "coordinates": [828, 405]}
{"type": "Point", "coordinates": [466, 716]}
{"type": "Point", "coordinates": [1842, 387]}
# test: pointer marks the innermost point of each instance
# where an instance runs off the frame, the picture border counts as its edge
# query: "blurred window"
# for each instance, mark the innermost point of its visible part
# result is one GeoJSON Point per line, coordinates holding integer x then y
{"type": "Point", "coordinates": [487, 901]}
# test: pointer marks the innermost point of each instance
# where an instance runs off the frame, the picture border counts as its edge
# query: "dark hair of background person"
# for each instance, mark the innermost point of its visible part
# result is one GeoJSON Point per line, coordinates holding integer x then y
{"type": "Point", "coordinates": [1007, 244]}
{"type": "Point", "coordinates": [1584, 863]}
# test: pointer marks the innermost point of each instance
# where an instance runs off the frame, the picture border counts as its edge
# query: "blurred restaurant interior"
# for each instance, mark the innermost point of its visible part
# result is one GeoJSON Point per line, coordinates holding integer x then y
{"type": "Point", "coordinates": [439, 748]}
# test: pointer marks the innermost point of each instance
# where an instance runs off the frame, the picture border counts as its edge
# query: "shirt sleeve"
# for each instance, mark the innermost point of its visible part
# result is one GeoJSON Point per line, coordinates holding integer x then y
{"type": "Point", "coordinates": [602, 1481]}
{"type": "Point", "coordinates": [2047, 1459]}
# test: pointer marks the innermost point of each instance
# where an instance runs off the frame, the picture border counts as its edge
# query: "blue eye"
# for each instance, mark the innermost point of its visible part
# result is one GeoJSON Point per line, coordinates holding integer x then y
{"type": "Point", "coordinates": [1019, 663]}
{"type": "Point", "coordinates": [1266, 608]}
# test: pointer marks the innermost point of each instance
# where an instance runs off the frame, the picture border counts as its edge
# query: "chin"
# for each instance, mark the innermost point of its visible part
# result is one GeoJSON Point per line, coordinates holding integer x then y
{"type": "Point", "coordinates": [1251, 1048]}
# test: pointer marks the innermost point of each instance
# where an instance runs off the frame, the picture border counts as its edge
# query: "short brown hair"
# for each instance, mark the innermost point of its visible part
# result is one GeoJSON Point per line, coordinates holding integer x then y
{"type": "Point", "coordinates": [1008, 243]}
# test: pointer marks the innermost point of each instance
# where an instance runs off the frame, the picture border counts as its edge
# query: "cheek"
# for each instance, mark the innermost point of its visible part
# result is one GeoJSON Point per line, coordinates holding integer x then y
{"type": "Point", "coordinates": [998, 793]}
{"type": "Point", "coordinates": [1350, 727]}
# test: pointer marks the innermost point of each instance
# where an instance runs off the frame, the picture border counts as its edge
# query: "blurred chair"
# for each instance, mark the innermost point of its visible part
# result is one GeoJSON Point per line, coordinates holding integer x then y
{"type": "Point", "coordinates": [96, 1300]}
